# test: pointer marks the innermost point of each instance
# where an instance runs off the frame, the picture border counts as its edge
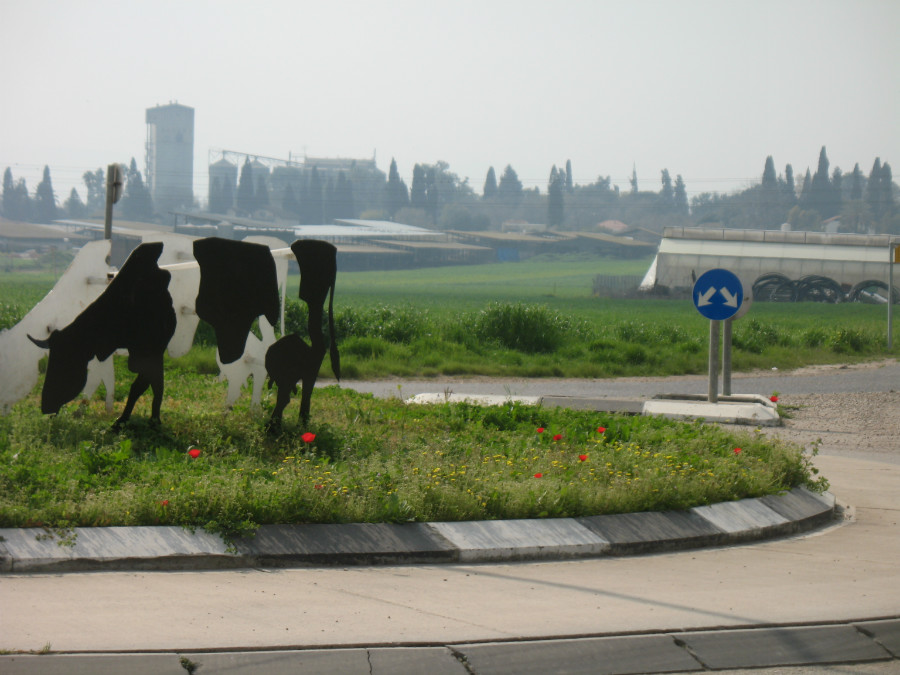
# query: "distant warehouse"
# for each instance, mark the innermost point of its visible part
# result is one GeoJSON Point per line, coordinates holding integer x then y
{"type": "Point", "coordinates": [771, 260]}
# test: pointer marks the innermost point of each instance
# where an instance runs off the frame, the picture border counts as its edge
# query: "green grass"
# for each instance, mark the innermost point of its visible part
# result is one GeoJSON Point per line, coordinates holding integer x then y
{"type": "Point", "coordinates": [537, 318]}
{"type": "Point", "coordinates": [541, 277]}
{"type": "Point", "coordinates": [371, 460]}
{"type": "Point", "coordinates": [379, 460]}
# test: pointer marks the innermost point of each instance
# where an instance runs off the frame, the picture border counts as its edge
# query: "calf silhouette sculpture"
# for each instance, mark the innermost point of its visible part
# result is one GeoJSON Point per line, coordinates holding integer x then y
{"type": "Point", "coordinates": [135, 313]}
{"type": "Point", "coordinates": [291, 360]}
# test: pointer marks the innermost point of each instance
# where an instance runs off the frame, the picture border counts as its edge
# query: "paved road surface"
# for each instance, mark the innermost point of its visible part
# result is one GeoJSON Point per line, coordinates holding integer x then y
{"type": "Point", "coordinates": [883, 376]}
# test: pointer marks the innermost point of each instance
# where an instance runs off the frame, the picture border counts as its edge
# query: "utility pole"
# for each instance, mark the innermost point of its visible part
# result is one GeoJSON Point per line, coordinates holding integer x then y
{"type": "Point", "coordinates": [113, 193]}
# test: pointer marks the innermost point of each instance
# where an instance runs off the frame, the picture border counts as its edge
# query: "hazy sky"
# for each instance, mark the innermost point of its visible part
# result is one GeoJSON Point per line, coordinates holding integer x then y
{"type": "Point", "coordinates": [706, 89]}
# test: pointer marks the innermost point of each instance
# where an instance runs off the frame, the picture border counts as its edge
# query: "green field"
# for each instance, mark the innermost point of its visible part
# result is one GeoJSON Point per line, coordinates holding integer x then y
{"type": "Point", "coordinates": [538, 318]}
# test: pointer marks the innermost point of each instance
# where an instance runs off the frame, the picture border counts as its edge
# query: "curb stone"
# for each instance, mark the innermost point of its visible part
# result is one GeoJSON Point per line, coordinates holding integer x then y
{"type": "Point", "coordinates": [174, 548]}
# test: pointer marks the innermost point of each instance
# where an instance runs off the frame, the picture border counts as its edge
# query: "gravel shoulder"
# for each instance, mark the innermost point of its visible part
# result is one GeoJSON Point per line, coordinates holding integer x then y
{"type": "Point", "coordinates": [858, 424]}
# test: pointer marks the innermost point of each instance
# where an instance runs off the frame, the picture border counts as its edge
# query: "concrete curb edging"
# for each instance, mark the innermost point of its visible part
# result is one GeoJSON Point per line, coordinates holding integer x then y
{"type": "Point", "coordinates": [174, 548]}
{"type": "Point", "coordinates": [737, 409]}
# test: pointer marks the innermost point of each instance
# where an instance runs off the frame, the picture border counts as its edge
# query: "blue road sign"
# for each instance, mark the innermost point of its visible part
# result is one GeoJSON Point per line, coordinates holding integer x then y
{"type": "Point", "coordinates": [718, 294]}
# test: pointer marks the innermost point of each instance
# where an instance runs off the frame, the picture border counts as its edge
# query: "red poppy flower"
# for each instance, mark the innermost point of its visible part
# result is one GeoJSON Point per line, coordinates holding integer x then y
{"type": "Point", "coordinates": [600, 430]}
{"type": "Point", "coordinates": [582, 458]}
{"type": "Point", "coordinates": [194, 452]}
{"type": "Point", "coordinates": [773, 398]}
{"type": "Point", "coordinates": [558, 437]}
{"type": "Point", "coordinates": [540, 430]}
{"type": "Point", "coordinates": [318, 487]}
{"type": "Point", "coordinates": [164, 502]}
{"type": "Point", "coordinates": [538, 475]}
{"type": "Point", "coordinates": [308, 437]}
{"type": "Point", "coordinates": [737, 451]}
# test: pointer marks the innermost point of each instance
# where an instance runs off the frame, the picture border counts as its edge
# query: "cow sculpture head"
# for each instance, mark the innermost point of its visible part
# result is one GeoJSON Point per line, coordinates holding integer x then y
{"type": "Point", "coordinates": [66, 369]}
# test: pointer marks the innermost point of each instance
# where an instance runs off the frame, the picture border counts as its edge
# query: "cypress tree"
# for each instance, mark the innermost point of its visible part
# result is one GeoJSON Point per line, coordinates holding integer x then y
{"type": "Point", "coordinates": [136, 203]}
{"type": "Point", "coordinates": [555, 199]}
{"type": "Point", "coordinates": [396, 195]}
{"type": "Point", "coordinates": [837, 188]}
{"type": "Point", "coordinates": [432, 194]}
{"type": "Point", "coordinates": [9, 191]}
{"type": "Point", "coordinates": [95, 182]}
{"type": "Point", "coordinates": [570, 184]}
{"type": "Point", "coordinates": [666, 194]}
{"type": "Point", "coordinates": [821, 197]}
{"type": "Point", "coordinates": [45, 200]}
{"type": "Point", "coordinates": [490, 184]}
{"type": "Point", "coordinates": [789, 188]}
{"type": "Point", "coordinates": [510, 187]}
{"type": "Point", "coordinates": [769, 179]}
{"type": "Point", "coordinates": [74, 206]}
{"type": "Point", "coordinates": [873, 190]}
{"type": "Point", "coordinates": [805, 191]}
{"type": "Point", "coordinates": [856, 190]}
{"type": "Point", "coordinates": [681, 200]}
{"type": "Point", "coordinates": [417, 191]}
{"type": "Point", "coordinates": [887, 189]}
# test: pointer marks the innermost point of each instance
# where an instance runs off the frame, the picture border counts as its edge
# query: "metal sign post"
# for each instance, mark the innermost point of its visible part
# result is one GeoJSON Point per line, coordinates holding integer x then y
{"type": "Point", "coordinates": [893, 259]}
{"type": "Point", "coordinates": [718, 295]}
{"type": "Point", "coordinates": [113, 192]}
{"type": "Point", "coordinates": [726, 357]}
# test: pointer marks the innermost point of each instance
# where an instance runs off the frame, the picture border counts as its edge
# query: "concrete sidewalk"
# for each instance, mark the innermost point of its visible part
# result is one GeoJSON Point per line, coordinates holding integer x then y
{"type": "Point", "coordinates": [876, 644]}
{"type": "Point", "coordinates": [834, 596]}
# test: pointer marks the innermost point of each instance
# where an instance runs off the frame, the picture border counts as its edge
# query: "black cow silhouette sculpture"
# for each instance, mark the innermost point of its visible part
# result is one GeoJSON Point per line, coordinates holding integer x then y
{"type": "Point", "coordinates": [238, 284]}
{"type": "Point", "coordinates": [134, 312]}
{"type": "Point", "coordinates": [291, 360]}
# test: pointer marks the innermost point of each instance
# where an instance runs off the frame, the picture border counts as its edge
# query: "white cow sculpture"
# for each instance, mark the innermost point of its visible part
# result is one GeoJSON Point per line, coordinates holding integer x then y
{"type": "Point", "coordinates": [83, 282]}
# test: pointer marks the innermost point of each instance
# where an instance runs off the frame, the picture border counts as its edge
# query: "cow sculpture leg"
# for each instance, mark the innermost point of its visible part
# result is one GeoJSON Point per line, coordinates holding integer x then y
{"type": "Point", "coordinates": [151, 378]}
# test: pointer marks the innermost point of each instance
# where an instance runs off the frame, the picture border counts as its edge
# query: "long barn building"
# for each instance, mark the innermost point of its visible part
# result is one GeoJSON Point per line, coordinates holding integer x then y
{"type": "Point", "coordinates": [849, 259]}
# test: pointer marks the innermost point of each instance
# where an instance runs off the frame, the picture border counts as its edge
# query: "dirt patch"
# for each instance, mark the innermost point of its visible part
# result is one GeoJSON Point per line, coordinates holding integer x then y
{"type": "Point", "coordinates": [849, 424]}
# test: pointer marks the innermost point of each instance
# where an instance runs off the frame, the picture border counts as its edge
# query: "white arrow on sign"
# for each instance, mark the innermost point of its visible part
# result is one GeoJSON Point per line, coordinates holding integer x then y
{"type": "Point", "coordinates": [730, 300]}
{"type": "Point", "coordinates": [704, 297]}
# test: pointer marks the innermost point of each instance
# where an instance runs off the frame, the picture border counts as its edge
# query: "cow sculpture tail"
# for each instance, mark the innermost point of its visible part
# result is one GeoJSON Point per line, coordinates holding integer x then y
{"type": "Point", "coordinates": [332, 347]}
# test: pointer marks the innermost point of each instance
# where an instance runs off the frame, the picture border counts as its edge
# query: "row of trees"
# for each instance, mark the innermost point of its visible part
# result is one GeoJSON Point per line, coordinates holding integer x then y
{"type": "Point", "coordinates": [43, 207]}
{"type": "Point", "coordinates": [859, 203]}
{"type": "Point", "coordinates": [439, 198]}
{"type": "Point", "coordinates": [19, 205]}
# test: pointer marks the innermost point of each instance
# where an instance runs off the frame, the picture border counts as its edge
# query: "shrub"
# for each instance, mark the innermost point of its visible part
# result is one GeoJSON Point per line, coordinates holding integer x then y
{"type": "Point", "coordinates": [533, 329]}
{"type": "Point", "coordinates": [364, 347]}
{"type": "Point", "coordinates": [754, 337]}
{"type": "Point", "coordinates": [813, 337]}
{"type": "Point", "coordinates": [296, 317]}
{"type": "Point", "coordinates": [846, 340]}
{"type": "Point", "coordinates": [401, 325]}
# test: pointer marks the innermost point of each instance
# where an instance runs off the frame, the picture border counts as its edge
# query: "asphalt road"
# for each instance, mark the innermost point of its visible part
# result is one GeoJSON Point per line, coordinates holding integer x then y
{"type": "Point", "coordinates": [881, 376]}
